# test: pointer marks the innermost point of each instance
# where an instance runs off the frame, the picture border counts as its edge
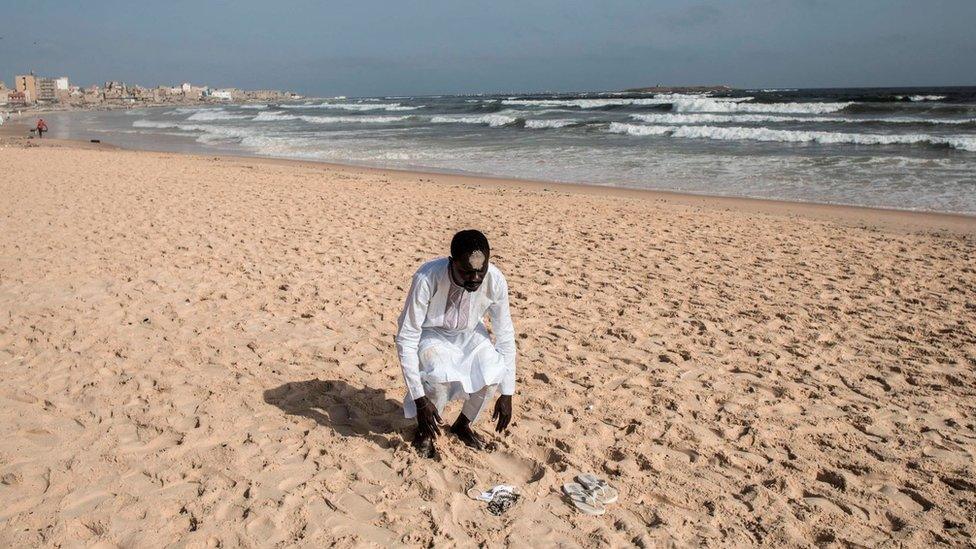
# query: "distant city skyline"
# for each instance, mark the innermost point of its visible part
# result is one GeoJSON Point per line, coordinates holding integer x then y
{"type": "Point", "coordinates": [449, 47]}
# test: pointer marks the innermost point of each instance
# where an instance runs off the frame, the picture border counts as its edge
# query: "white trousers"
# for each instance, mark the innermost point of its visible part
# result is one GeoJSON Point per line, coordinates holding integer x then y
{"type": "Point", "coordinates": [441, 393]}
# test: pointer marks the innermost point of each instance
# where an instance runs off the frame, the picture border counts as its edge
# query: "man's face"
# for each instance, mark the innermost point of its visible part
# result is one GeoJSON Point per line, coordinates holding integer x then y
{"type": "Point", "coordinates": [469, 272]}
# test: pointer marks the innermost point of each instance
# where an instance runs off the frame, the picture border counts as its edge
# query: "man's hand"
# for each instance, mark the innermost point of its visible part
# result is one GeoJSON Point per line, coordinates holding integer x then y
{"type": "Point", "coordinates": [503, 412]}
{"type": "Point", "coordinates": [428, 420]}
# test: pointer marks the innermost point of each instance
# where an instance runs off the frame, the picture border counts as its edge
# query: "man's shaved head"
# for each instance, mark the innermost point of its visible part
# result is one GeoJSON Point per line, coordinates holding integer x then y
{"type": "Point", "coordinates": [469, 259]}
{"type": "Point", "coordinates": [466, 242]}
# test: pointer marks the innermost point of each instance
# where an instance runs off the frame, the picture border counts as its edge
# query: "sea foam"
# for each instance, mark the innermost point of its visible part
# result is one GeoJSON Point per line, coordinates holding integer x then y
{"type": "Point", "coordinates": [964, 143]}
{"type": "Point", "coordinates": [356, 106]}
{"type": "Point", "coordinates": [553, 123]}
{"type": "Point", "coordinates": [494, 120]}
{"type": "Point", "coordinates": [707, 118]}
{"type": "Point", "coordinates": [722, 106]}
{"type": "Point", "coordinates": [688, 103]}
{"type": "Point", "coordinates": [215, 114]}
{"type": "Point", "coordinates": [279, 116]}
{"type": "Point", "coordinates": [598, 103]}
{"type": "Point", "coordinates": [142, 123]}
{"type": "Point", "coordinates": [209, 132]}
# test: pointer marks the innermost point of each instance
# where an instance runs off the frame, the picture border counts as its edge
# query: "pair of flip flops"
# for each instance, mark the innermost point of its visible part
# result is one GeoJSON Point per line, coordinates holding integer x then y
{"type": "Point", "coordinates": [590, 494]}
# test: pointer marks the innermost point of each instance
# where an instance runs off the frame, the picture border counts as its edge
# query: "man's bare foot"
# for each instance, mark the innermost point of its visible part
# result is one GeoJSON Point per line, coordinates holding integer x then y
{"type": "Point", "coordinates": [425, 446]}
{"type": "Point", "coordinates": [462, 430]}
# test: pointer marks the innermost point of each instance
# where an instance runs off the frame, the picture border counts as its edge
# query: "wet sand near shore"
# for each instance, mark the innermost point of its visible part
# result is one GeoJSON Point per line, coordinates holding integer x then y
{"type": "Point", "coordinates": [199, 350]}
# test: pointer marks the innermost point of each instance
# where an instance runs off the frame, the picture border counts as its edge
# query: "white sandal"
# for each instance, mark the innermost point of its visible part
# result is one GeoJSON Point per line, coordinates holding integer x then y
{"type": "Point", "coordinates": [603, 492]}
{"type": "Point", "coordinates": [583, 499]}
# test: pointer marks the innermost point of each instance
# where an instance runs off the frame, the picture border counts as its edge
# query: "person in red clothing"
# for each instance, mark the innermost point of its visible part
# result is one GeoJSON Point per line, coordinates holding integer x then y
{"type": "Point", "coordinates": [41, 127]}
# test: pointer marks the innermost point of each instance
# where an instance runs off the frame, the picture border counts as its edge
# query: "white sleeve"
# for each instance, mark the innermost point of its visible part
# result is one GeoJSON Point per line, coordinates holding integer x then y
{"type": "Point", "coordinates": [409, 327]}
{"type": "Point", "coordinates": [501, 325]}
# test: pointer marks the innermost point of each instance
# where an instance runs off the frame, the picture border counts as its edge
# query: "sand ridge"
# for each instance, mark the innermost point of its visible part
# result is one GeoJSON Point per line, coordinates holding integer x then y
{"type": "Point", "coordinates": [200, 352]}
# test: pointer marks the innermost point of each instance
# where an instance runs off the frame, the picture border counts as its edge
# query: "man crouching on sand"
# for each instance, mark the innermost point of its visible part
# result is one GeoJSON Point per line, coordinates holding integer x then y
{"type": "Point", "coordinates": [444, 348]}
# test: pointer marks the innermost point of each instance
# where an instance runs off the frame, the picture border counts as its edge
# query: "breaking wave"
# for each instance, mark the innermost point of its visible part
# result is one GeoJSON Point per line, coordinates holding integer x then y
{"type": "Point", "coordinates": [275, 116]}
{"type": "Point", "coordinates": [639, 130]}
{"type": "Point", "coordinates": [594, 103]}
{"type": "Point", "coordinates": [894, 108]}
{"type": "Point", "coordinates": [355, 106]}
{"type": "Point", "coordinates": [354, 119]}
{"type": "Point", "coordinates": [142, 123]}
{"type": "Point", "coordinates": [210, 132]}
{"type": "Point", "coordinates": [551, 123]}
{"type": "Point", "coordinates": [926, 97]}
{"type": "Point", "coordinates": [696, 118]}
{"type": "Point", "coordinates": [494, 120]}
{"type": "Point", "coordinates": [219, 114]}
{"type": "Point", "coordinates": [722, 106]}
{"type": "Point", "coordinates": [684, 103]}
{"type": "Point", "coordinates": [499, 120]}
{"type": "Point", "coordinates": [184, 110]}
{"type": "Point", "coordinates": [791, 136]}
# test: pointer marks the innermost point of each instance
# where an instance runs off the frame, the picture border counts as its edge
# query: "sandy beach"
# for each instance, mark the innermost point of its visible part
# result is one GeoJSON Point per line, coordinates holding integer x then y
{"type": "Point", "coordinates": [198, 351]}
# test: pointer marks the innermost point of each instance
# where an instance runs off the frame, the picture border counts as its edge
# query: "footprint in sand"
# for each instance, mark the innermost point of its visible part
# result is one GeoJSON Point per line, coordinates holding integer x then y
{"type": "Point", "coordinates": [959, 484]}
{"type": "Point", "coordinates": [161, 442]}
{"type": "Point", "coordinates": [358, 507]}
{"type": "Point", "coordinates": [958, 459]}
{"type": "Point", "coordinates": [515, 469]}
{"type": "Point", "coordinates": [833, 478]}
{"type": "Point", "coordinates": [906, 498]}
{"type": "Point", "coordinates": [83, 501]}
{"type": "Point", "coordinates": [824, 504]}
{"type": "Point", "coordinates": [379, 471]}
{"type": "Point", "coordinates": [41, 437]}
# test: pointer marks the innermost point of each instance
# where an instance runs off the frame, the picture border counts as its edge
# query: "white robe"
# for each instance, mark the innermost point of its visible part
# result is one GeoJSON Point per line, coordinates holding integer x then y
{"type": "Point", "coordinates": [465, 358]}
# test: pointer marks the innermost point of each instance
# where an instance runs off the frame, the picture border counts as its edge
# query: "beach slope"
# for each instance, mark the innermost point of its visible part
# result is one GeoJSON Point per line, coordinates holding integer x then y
{"type": "Point", "coordinates": [199, 351]}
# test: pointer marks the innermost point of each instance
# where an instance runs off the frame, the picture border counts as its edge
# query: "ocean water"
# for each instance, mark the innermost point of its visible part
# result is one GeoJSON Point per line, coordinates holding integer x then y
{"type": "Point", "coordinates": [894, 148]}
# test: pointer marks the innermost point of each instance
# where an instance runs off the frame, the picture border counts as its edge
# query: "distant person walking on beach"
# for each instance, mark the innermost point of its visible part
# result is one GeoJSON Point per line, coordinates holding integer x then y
{"type": "Point", "coordinates": [445, 351]}
{"type": "Point", "coordinates": [41, 127]}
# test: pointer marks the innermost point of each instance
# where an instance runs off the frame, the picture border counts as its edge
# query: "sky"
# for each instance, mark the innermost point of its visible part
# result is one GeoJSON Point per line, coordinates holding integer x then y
{"type": "Point", "coordinates": [412, 47]}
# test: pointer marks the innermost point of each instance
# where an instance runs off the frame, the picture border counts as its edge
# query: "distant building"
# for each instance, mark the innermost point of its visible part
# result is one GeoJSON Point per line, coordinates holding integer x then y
{"type": "Point", "coordinates": [265, 95]}
{"type": "Point", "coordinates": [62, 88]}
{"type": "Point", "coordinates": [17, 98]}
{"type": "Point", "coordinates": [92, 95]}
{"type": "Point", "coordinates": [26, 84]}
{"type": "Point", "coordinates": [46, 90]}
{"type": "Point", "coordinates": [30, 89]}
{"type": "Point", "coordinates": [115, 91]}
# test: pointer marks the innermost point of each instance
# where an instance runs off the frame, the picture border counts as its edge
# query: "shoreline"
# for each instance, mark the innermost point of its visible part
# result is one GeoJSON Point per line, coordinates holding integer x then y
{"type": "Point", "coordinates": [31, 110]}
{"type": "Point", "coordinates": [888, 219]}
